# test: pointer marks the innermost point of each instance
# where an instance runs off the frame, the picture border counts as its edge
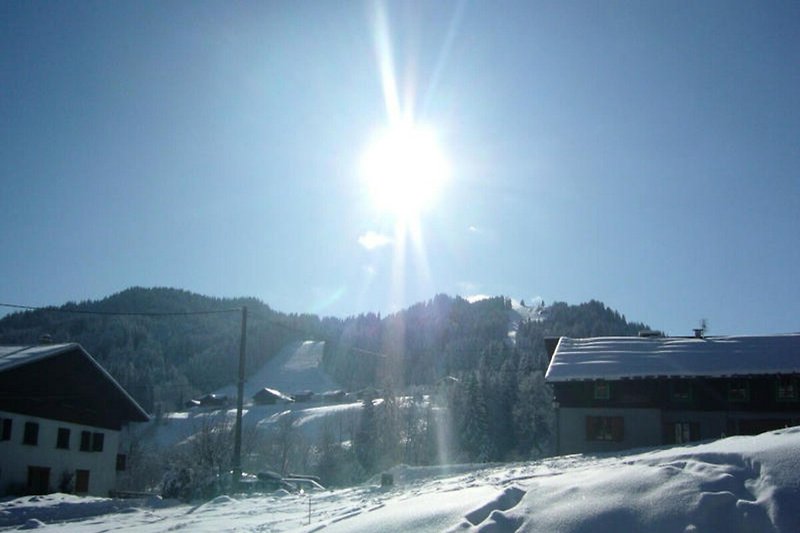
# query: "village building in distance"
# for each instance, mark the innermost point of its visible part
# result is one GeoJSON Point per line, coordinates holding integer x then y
{"type": "Point", "coordinates": [61, 415]}
{"type": "Point", "coordinates": [615, 393]}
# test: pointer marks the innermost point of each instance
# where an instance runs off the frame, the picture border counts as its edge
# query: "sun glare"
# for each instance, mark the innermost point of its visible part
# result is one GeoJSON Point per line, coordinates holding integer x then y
{"type": "Point", "coordinates": [404, 169]}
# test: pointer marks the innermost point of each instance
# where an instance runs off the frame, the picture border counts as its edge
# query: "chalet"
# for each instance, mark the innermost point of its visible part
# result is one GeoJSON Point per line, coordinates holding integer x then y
{"type": "Point", "coordinates": [61, 415]}
{"type": "Point", "coordinates": [209, 400]}
{"type": "Point", "coordinates": [614, 393]}
{"type": "Point", "coordinates": [268, 396]}
{"type": "Point", "coordinates": [303, 396]}
{"type": "Point", "coordinates": [334, 396]}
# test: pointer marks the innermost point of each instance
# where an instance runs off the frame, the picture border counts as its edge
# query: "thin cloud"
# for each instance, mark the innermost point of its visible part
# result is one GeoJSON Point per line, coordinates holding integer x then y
{"type": "Point", "coordinates": [372, 240]}
{"type": "Point", "coordinates": [467, 287]}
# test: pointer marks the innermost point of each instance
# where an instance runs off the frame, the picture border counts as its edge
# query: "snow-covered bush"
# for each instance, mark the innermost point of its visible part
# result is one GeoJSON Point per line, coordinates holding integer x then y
{"type": "Point", "coordinates": [186, 483]}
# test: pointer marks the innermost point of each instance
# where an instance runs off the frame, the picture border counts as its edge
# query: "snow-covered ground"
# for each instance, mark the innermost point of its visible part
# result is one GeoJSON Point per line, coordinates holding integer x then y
{"type": "Point", "coordinates": [738, 484]}
{"type": "Point", "coordinates": [309, 419]}
{"type": "Point", "coordinates": [521, 313]}
{"type": "Point", "coordinates": [297, 367]}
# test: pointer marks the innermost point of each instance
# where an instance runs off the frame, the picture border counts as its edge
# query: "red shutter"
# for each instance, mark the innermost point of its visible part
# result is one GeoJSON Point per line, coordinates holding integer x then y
{"type": "Point", "coordinates": [694, 430]}
{"type": "Point", "coordinates": [591, 427]}
{"type": "Point", "coordinates": [668, 433]}
{"type": "Point", "coordinates": [617, 428]}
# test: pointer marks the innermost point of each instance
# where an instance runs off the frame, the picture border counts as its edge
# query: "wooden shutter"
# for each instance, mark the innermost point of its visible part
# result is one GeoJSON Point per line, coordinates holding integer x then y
{"type": "Point", "coordinates": [617, 428]}
{"type": "Point", "coordinates": [591, 428]}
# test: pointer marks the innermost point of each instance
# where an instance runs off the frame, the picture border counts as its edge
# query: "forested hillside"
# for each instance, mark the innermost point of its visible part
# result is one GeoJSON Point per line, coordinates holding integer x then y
{"type": "Point", "coordinates": [165, 360]}
{"type": "Point", "coordinates": [450, 336]}
{"type": "Point", "coordinates": [491, 383]}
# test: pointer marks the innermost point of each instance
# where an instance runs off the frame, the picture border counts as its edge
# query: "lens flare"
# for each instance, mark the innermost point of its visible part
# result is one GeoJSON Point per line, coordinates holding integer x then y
{"type": "Point", "coordinates": [404, 170]}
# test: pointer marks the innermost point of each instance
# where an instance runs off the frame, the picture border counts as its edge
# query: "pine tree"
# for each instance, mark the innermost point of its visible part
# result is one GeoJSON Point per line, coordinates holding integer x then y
{"type": "Point", "coordinates": [533, 416]}
{"type": "Point", "coordinates": [501, 400]}
{"type": "Point", "coordinates": [475, 439]}
{"type": "Point", "coordinates": [366, 438]}
{"type": "Point", "coordinates": [388, 431]}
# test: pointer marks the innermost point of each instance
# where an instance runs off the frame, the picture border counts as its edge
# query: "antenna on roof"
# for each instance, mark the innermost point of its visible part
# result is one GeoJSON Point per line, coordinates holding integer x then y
{"type": "Point", "coordinates": [700, 332]}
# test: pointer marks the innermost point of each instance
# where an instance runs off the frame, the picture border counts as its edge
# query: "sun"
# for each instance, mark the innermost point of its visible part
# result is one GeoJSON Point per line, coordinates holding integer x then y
{"type": "Point", "coordinates": [404, 169]}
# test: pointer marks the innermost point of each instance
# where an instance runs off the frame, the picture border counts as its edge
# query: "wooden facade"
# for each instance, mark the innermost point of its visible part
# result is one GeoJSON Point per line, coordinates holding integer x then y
{"type": "Point", "coordinates": [747, 394]}
{"type": "Point", "coordinates": [71, 387]}
{"type": "Point", "coordinates": [689, 409]}
{"type": "Point", "coordinates": [614, 412]}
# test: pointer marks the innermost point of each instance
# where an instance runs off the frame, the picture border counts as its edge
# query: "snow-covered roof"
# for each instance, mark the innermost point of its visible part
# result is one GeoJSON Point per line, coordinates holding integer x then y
{"type": "Point", "coordinates": [13, 356]}
{"type": "Point", "coordinates": [274, 393]}
{"type": "Point", "coordinates": [614, 358]}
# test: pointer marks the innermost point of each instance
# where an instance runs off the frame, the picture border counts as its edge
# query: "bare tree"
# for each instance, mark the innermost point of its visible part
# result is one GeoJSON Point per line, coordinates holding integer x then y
{"type": "Point", "coordinates": [199, 467]}
{"type": "Point", "coordinates": [210, 446]}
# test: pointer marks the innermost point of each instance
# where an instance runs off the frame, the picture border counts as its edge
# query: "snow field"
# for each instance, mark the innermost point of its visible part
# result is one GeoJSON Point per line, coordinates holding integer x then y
{"type": "Point", "coordinates": [735, 485]}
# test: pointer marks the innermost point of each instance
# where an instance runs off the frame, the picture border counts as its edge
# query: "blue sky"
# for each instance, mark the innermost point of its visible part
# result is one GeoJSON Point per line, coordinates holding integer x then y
{"type": "Point", "coordinates": [644, 154]}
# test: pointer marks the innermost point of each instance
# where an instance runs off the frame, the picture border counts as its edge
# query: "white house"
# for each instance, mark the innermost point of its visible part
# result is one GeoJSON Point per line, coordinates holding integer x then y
{"type": "Point", "coordinates": [61, 415]}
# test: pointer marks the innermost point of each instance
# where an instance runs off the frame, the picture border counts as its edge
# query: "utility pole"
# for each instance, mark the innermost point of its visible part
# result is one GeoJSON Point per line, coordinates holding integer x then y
{"type": "Point", "coordinates": [237, 444]}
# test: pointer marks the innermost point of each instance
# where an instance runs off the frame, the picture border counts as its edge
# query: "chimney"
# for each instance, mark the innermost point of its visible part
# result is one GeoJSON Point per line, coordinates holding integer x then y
{"type": "Point", "coordinates": [650, 333]}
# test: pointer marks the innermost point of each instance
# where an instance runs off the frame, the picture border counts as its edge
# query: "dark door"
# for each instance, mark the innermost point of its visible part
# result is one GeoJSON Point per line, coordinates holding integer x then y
{"type": "Point", "coordinates": [81, 481]}
{"type": "Point", "coordinates": [38, 480]}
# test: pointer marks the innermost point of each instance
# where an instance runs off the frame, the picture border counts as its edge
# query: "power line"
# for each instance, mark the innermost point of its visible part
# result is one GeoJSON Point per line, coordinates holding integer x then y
{"type": "Point", "coordinates": [237, 470]}
{"type": "Point", "coordinates": [368, 352]}
{"type": "Point", "coordinates": [121, 313]}
{"type": "Point", "coordinates": [273, 322]}
{"type": "Point", "coordinates": [144, 313]}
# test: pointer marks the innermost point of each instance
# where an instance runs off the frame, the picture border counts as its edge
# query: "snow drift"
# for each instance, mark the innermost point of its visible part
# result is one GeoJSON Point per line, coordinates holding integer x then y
{"type": "Point", "coordinates": [738, 484]}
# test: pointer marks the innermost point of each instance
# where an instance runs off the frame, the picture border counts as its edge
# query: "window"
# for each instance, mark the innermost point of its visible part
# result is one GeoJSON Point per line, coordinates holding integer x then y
{"type": "Point", "coordinates": [91, 442]}
{"type": "Point", "coordinates": [684, 432]}
{"type": "Point", "coordinates": [31, 435]}
{"type": "Point", "coordinates": [62, 441]}
{"type": "Point", "coordinates": [81, 481]}
{"type": "Point", "coordinates": [122, 460]}
{"type": "Point", "coordinates": [5, 433]}
{"type": "Point", "coordinates": [602, 390]}
{"type": "Point", "coordinates": [681, 391]}
{"type": "Point", "coordinates": [738, 390]}
{"type": "Point", "coordinates": [97, 442]}
{"type": "Point", "coordinates": [606, 428]}
{"type": "Point", "coordinates": [786, 390]}
{"type": "Point", "coordinates": [86, 441]}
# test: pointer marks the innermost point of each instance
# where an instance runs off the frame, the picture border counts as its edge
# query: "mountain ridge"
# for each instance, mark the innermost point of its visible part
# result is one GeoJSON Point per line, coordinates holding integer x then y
{"type": "Point", "coordinates": [165, 360]}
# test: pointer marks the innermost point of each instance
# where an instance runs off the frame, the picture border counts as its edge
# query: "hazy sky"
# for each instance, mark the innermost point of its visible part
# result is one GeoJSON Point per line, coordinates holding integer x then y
{"type": "Point", "coordinates": [645, 154]}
